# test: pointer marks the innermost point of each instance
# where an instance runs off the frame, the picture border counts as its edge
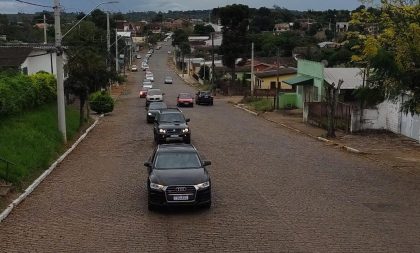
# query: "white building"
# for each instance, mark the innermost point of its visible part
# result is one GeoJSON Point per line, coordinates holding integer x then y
{"type": "Point", "coordinates": [30, 59]}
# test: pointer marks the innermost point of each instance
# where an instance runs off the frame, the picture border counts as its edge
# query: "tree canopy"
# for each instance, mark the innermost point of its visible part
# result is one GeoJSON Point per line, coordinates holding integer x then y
{"type": "Point", "coordinates": [390, 51]}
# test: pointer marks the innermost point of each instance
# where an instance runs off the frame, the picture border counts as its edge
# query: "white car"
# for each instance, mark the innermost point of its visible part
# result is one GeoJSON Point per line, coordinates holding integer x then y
{"type": "Point", "coordinates": [134, 68]}
{"type": "Point", "coordinates": [144, 66]}
{"type": "Point", "coordinates": [138, 56]}
{"type": "Point", "coordinates": [154, 95]}
{"type": "Point", "coordinates": [149, 76]}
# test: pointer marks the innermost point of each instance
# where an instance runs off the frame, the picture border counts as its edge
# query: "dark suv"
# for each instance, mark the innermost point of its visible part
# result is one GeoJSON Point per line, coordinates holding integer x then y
{"type": "Point", "coordinates": [171, 125]}
{"type": "Point", "coordinates": [204, 97]}
{"type": "Point", "coordinates": [177, 176]}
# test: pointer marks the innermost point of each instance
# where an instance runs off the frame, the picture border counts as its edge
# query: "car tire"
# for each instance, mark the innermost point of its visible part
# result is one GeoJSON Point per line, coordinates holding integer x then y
{"type": "Point", "coordinates": [211, 103]}
{"type": "Point", "coordinates": [206, 206]}
{"type": "Point", "coordinates": [187, 140]}
{"type": "Point", "coordinates": [192, 104]}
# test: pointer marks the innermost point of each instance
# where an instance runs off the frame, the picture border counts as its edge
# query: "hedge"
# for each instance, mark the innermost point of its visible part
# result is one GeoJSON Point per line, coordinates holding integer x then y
{"type": "Point", "coordinates": [101, 102]}
{"type": "Point", "coordinates": [19, 92]}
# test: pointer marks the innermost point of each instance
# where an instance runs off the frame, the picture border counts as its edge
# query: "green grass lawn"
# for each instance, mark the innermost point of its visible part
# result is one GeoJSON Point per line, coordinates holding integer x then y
{"type": "Point", "coordinates": [261, 104]}
{"type": "Point", "coordinates": [32, 141]}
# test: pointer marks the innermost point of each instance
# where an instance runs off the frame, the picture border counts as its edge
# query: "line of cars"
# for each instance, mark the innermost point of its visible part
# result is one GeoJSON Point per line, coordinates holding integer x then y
{"type": "Point", "coordinates": [177, 174]}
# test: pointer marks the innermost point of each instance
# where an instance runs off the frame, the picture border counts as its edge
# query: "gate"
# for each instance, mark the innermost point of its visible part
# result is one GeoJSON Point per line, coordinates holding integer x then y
{"type": "Point", "coordinates": [317, 115]}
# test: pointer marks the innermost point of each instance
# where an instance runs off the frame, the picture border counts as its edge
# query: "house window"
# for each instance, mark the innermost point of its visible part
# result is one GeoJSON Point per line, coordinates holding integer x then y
{"type": "Point", "coordinates": [25, 70]}
{"type": "Point", "coordinates": [272, 85]}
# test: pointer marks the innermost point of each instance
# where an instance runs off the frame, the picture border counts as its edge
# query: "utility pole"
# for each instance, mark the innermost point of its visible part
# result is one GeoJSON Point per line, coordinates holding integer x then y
{"type": "Point", "coordinates": [252, 70]}
{"type": "Point", "coordinates": [276, 102]}
{"type": "Point", "coordinates": [116, 51]}
{"type": "Point", "coordinates": [45, 30]}
{"type": "Point", "coordinates": [212, 61]}
{"type": "Point", "coordinates": [59, 71]}
{"type": "Point", "coordinates": [108, 42]}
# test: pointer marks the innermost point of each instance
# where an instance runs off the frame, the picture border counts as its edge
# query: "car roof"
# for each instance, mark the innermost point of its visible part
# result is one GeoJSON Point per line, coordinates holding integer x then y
{"type": "Point", "coordinates": [176, 147]}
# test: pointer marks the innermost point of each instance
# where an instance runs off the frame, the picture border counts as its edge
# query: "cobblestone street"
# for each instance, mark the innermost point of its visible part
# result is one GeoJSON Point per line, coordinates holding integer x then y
{"type": "Point", "coordinates": [273, 190]}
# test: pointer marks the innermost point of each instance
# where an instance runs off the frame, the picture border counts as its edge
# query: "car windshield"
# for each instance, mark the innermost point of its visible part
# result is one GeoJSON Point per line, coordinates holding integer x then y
{"type": "Point", "coordinates": [155, 92]}
{"type": "Point", "coordinates": [171, 117]}
{"type": "Point", "coordinates": [157, 105]}
{"type": "Point", "coordinates": [205, 93]}
{"type": "Point", "coordinates": [181, 160]}
{"type": "Point", "coordinates": [168, 78]}
{"type": "Point", "coordinates": [185, 95]}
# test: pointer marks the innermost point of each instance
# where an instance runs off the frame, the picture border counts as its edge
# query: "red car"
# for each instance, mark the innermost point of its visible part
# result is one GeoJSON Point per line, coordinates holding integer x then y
{"type": "Point", "coordinates": [185, 99]}
{"type": "Point", "coordinates": [143, 93]}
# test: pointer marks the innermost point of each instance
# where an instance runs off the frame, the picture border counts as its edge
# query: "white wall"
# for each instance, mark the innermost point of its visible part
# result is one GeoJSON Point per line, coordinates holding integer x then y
{"type": "Point", "coordinates": [40, 60]}
{"type": "Point", "coordinates": [387, 116]}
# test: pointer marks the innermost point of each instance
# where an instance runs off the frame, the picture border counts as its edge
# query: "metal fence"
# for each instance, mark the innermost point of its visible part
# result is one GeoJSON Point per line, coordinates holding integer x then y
{"type": "Point", "coordinates": [317, 115]}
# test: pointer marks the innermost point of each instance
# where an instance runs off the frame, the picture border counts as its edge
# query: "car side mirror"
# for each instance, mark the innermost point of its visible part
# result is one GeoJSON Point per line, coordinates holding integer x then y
{"type": "Point", "coordinates": [187, 120]}
{"type": "Point", "coordinates": [147, 164]}
{"type": "Point", "coordinates": [206, 163]}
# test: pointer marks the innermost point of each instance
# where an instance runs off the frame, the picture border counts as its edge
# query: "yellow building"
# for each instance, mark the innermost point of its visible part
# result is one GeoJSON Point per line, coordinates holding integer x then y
{"type": "Point", "coordinates": [267, 80]}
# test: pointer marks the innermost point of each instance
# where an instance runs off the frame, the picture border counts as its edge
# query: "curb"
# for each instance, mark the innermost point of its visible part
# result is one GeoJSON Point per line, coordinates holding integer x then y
{"type": "Point", "coordinates": [247, 110]}
{"type": "Point", "coordinates": [44, 175]}
{"type": "Point", "coordinates": [346, 148]}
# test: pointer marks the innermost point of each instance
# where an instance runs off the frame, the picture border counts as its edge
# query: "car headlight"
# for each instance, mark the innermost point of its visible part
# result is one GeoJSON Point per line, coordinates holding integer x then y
{"type": "Point", "coordinates": [202, 185]}
{"type": "Point", "coordinates": [157, 186]}
{"type": "Point", "coordinates": [185, 130]}
{"type": "Point", "coordinates": [162, 131]}
{"type": "Point", "coordinates": [150, 114]}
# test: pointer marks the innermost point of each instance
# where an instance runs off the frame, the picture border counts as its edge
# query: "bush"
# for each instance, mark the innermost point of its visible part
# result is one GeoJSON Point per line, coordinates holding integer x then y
{"type": "Point", "coordinates": [19, 92]}
{"type": "Point", "coordinates": [101, 102]}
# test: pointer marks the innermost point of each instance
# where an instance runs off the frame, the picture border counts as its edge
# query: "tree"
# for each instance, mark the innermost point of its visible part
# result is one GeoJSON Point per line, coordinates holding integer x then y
{"type": "Point", "coordinates": [331, 97]}
{"type": "Point", "coordinates": [158, 18]}
{"type": "Point", "coordinates": [39, 18]}
{"type": "Point", "coordinates": [392, 55]}
{"type": "Point", "coordinates": [203, 29]}
{"type": "Point", "coordinates": [98, 17]}
{"type": "Point", "coordinates": [234, 19]}
{"type": "Point", "coordinates": [262, 21]}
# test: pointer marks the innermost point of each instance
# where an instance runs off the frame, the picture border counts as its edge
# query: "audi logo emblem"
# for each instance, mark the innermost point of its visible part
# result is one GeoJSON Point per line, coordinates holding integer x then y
{"type": "Point", "coordinates": [181, 189]}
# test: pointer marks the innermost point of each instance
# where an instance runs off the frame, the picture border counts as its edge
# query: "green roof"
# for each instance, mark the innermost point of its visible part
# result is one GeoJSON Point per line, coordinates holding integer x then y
{"type": "Point", "coordinates": [300, 80]}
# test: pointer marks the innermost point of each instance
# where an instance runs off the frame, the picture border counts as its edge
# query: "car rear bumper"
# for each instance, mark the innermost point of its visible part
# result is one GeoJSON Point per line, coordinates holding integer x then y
{"type": "Point", "coordinates": [205, 100]}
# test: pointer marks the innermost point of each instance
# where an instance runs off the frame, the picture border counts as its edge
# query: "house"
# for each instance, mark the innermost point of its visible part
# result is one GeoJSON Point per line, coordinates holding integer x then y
{"type": "Point", "coordinates": [268, 79]}
{"type": "Point", "coordinates": [40, 25]}
{"type": "Point", "coordinates": [281, 27]}
{"type": "Point", "coordinates": [175, 24]}
{"type": "Point", "coordinates": [312, 76]}
{"type": "Point", "coordinates": [329, 44]}
{"type": "Point", "coordinates": [342, 26]}
{"type": "Point", "coordinates": [29, 59]}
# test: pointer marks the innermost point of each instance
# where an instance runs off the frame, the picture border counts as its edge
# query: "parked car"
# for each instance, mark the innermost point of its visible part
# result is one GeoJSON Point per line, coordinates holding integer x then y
{"type": "Point", "coordinates": [177, 175]}
{"type": "Point", "coordinates": [185, 99]}
{"type": "Point", "coordinates": [204, 97]}
{"type": "Point", "coordinates": [134, 68]}
{"type": "Point", "coordinates": [138, 56]}
{"type": "Point", "coordinates": [171, 125]}
{"type": "Point", "coordinates": [154, 95]}
{"type": "Point", "coordinates": [154, 108]}
{"type": "Point", "coordinates": [168, 80]}
{"type": "Point", "coordinates": [143, 92]}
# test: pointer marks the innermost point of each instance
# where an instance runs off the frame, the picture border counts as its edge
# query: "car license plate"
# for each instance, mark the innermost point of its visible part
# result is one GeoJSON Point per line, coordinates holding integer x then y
{"type": "Point", "coordinates": [206, 96]}
{"type": "Point", "coordinates": [180, 197]}
{"type": "Point", "coordinates": [186, 103]}
{"type": "Point", "coordinates": [174, 136]}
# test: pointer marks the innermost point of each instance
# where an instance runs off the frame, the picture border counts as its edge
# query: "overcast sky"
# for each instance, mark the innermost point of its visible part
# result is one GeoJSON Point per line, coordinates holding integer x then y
{"type": "Point", "coordinates": [11, 6]}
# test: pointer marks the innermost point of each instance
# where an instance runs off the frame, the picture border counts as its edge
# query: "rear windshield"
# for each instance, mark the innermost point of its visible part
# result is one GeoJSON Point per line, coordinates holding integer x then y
{"type": "Point", "coordinates": [157, 105]}
{"type": "Point", "coordinates": [155, 92]}
{"type": "Point", "coordinates": [181, 160]}
{"type": "Point", "coordinates": [185, 95]}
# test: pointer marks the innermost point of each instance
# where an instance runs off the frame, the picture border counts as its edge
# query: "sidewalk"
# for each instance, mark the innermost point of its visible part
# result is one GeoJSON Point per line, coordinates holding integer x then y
{"type": "Point", "coordinates": [385, 148]}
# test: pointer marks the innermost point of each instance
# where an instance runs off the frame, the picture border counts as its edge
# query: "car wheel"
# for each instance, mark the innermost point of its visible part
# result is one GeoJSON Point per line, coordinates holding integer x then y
{"type": "Point", "coordinates": [192, 104]}
{"type": "Point", "coordinates": [211, 103]}
{"type": "Point", "coordinates": [207, 205]}
{"type": "Point", "coordinates": [187, 140]}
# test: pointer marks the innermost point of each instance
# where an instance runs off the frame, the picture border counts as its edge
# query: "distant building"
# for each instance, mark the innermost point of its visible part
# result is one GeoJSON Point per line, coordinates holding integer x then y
{"type": "Point", "coordinates": [40, 25]}
{"type": "Point", "coordinates": [342, 26]}
{"type": "Point", "coordinates": [29, 59]}
{"type": "Point", "coordinates": [281, 27]}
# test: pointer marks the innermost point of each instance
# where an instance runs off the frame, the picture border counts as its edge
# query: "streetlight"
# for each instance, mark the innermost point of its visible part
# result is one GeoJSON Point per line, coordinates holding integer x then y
{"type": "Point", "coordinates": [59, 64]}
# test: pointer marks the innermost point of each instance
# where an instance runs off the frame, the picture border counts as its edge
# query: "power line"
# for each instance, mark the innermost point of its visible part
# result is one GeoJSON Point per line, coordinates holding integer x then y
{"type": "Point", "coordinates": [34, 4]}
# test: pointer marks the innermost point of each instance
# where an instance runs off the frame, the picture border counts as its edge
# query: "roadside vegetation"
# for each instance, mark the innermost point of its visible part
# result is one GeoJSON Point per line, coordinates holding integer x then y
{"type": "Point", "coordinates": [259, 104]}
{"type": "Point", "coordinates": [32, 141]}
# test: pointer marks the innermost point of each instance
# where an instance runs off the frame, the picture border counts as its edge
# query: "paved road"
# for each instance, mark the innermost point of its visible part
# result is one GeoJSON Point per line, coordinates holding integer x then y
{"type": "Point", "coordinates": [273, 191]}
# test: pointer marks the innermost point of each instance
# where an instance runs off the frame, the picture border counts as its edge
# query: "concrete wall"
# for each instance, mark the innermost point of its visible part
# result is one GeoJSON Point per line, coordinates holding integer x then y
{"type": "Point", "coordinates": [40, 60]}
{"type": "Point", "coordinates": [387, 116]}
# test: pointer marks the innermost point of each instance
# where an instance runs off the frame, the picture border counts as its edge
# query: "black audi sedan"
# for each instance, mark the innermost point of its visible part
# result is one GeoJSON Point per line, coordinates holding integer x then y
{"type": "Point", "coordinates": [177, 176]}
